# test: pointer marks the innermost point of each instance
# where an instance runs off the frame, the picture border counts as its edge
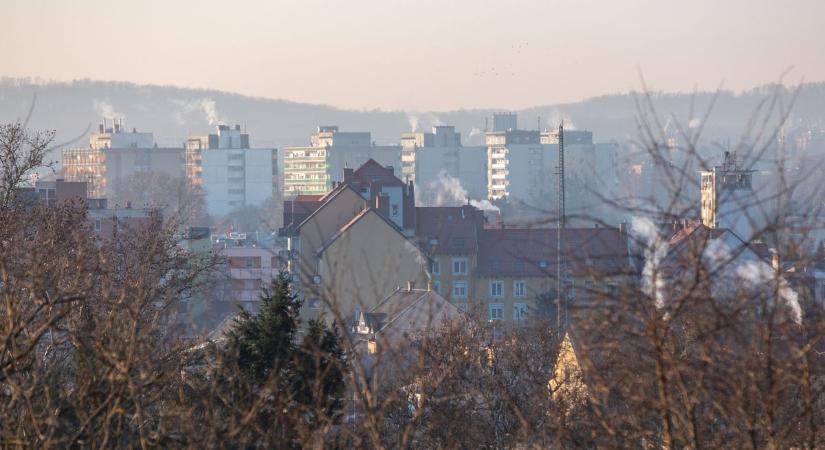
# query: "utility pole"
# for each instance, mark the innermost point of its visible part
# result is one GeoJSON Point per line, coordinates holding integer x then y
{"type": "Point", "coordinates": [561, 299]}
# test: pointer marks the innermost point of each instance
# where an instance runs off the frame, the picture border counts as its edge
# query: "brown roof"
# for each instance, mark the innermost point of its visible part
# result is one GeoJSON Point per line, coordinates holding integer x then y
{"type": "Point", "coordinates": [532, 252]}
{"type": "Point", "coordinates": [449, 230]}
{"type": "Point", "coordinates": [371, 172]}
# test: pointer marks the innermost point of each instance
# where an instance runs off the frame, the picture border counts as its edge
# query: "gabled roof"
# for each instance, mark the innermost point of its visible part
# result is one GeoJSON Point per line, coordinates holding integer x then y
{"type": "Point", "coordinates": [325, 201]}
{"type": "Point", "coordinates": [371, 172]}
{"type": "Point", "coordinates": [689, 244]}
{"type": "Point", "coordinates": [532, 252]}
{"type": "Point", "coordinates": [450, 230]}
{"type": "Point", "coordinates": [346, 227]}
{"type": "Point", "coordinates": [413, 305]}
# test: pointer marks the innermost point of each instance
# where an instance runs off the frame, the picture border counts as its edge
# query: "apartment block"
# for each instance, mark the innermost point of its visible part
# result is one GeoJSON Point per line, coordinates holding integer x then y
{"type": "Point", "coordinates": [426, 158]}
{"type": "Point", "coordinates": [313, 169]}
{"type": "Point", "coordinates": [114, 154]}
{"type": "Point", "coordinates": [231, 174]}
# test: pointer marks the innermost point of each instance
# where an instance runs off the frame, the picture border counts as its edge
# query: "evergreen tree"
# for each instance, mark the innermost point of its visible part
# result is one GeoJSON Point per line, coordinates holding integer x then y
{"type": "Point", "coordinates": [302, 382]}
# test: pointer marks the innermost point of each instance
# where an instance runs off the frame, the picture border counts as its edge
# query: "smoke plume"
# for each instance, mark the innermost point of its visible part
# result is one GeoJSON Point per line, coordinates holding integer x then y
{"type": "Point", "coordinates": [105, 109]}
{"type": "Point", "coordinates": [448, 191]}
{"type": "Point", "coordinates": [656, 249]}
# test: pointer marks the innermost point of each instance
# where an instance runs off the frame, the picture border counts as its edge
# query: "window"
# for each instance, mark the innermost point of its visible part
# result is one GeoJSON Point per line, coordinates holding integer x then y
{"type": "Point", "coordinates": [315, 303]}
{"type": "Point", "coordinates": [519, 311]}
{"type": "Point", "coordinates": [462, 306]}
{"type": "Point", "coordinates": [495, 288]}
{"type": "Point", "coordinates": [249, 262]}
{"type": "Point", "coordinates": [436, 286]}
{"type": "Point", "coordinates": [435, 267]}
{"type": "Point", "coordinates": [496, 311]}
{"type": "Point", "coordinates": [460, 266]}
{"type": "Point", "coordinates": [460, 289]}
{"type": "Point", "coordinates": [98, 225]}
{"type": "Point", "coordinates": [519, 288]}
{"type": "Point", "coordinates": [612, 289]}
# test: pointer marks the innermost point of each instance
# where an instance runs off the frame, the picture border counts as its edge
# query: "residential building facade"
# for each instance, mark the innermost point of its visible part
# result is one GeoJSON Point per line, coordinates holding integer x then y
{"type": "Point", "coordinates": [113, 155]}
{"type": "Point", "coordinates": [426, 158]}
{"type": "Point", "coordinates": [231, 174]}
{"type": "Point", "coordinates": [313, 169]}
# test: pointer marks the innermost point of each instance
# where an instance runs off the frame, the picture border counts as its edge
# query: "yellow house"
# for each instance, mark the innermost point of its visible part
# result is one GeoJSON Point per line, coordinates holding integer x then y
{"type": "Point", "coordinates": [517, 270]}
{"type": "Point", "coordinates": [449, 235]}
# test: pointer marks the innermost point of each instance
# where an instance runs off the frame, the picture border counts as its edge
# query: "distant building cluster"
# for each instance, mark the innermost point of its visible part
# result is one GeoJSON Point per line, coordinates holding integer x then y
{"type": "Point", "coordinates": [368, 231]}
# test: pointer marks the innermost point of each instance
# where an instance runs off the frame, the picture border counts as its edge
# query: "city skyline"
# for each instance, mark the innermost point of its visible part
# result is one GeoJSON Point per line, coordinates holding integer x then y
{"type": "Point", "coordinates": [418, 57]}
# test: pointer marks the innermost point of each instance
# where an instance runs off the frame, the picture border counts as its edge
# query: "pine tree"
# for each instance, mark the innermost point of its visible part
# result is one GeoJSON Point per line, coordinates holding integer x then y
{"type": "Point", "coordinates": [303, 382]}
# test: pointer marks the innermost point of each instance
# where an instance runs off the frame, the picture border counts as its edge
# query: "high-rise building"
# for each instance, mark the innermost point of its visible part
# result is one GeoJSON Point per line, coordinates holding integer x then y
{"type": "Point", "coordinates": [728, 198]}
{"type": "Point", "coordinates": [426, 158]}
{"type": "Point", "coordinates": [312, 169]}
{"type": "Point", "coordinates": [231, 174]}
{"type": "Point", "coordinates": [114, 154]}
{"type": "Point", "coordinates": [519, 166]}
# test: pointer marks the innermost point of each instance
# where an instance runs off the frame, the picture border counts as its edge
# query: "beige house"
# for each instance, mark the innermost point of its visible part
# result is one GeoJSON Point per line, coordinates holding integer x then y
{"type": "Point", "coordinates": [367, 258]}
{"type": "Point", "coordinates": [347, 255]}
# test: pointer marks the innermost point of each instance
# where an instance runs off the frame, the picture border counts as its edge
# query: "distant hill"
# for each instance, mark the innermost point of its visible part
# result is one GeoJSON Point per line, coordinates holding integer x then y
{"type": "Point", "coordinates": [173, 112]}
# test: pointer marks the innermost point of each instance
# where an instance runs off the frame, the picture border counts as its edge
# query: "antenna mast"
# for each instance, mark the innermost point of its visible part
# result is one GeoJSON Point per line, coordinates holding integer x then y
{"type": "Point", "coordinates": [561, 299]}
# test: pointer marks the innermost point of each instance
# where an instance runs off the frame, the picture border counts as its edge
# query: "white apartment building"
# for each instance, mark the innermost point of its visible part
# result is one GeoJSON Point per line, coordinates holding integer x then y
{"type": "Point", "coordinates": [427, 157]}
{"type": "Point", "coordinates": [520, 167]}
{"type": "Point", "coordinates": [231, 174]}
{"type": "Point", "coordinates": [313, 169]}
{"type": "Point", "coordinates": [728, 199]}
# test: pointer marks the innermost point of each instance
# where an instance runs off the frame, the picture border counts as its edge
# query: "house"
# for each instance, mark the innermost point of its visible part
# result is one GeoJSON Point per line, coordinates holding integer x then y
{"type": "Point", "coordinates": [450, 236]}
{"type": "Point", "coordinates": [516, 275]}
{"type": "Point", "coordinates": [349, 252]}
{"type": "Point", "coordinates": [385, 336]}
{"type": "Point", "coordinates": [715, 263]}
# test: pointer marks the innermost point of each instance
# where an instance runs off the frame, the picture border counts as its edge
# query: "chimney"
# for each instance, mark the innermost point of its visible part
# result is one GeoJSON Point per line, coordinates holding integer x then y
{"type": "Point", "coordinates": [409, 286]}
{"type": "Point", "coordinates": [382, 204]}
{"type": "Point", "coordinates": [348, 173]}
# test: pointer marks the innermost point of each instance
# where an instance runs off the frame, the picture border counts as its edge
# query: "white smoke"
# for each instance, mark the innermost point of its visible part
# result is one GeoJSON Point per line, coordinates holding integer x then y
{"type": "Point", "coordinates": [448, 191]}
{"type": "Point", "coordinates": [418, 121]}
{"type": "Point", "coordinates": [694, 122]}
{"type": "Point", "coordinates": [412, 119]}
{"type": "Point", "coordinates": [419, 257]}
{"type": "Point", "coordinates": [555, 118]}
{"type": "Point", "coordinates": [474, 132]}
{"type": "Point", "coordinates": [656, 249]}
{"type": "Point", "coordinates": [758, 275]}
{"type": "Point", "coordinates": [206, 106]}
{"type": "Point", "coordinates": [105, 109]}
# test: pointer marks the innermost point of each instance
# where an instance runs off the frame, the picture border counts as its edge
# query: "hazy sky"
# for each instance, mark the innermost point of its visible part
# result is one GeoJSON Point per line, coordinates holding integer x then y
{"type": "Point", "coordinates": [421, 54]}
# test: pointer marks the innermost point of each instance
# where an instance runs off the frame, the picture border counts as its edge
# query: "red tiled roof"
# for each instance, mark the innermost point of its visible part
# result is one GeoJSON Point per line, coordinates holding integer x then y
{"type": "Point", "coordinates": [449, 230]}
{"type": "Point", "coordinates": [519, 252]}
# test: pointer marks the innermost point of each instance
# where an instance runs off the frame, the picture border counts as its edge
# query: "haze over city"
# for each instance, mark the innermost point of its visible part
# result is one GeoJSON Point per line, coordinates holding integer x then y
{"type": "Point", "coordinates": [422, 55]}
